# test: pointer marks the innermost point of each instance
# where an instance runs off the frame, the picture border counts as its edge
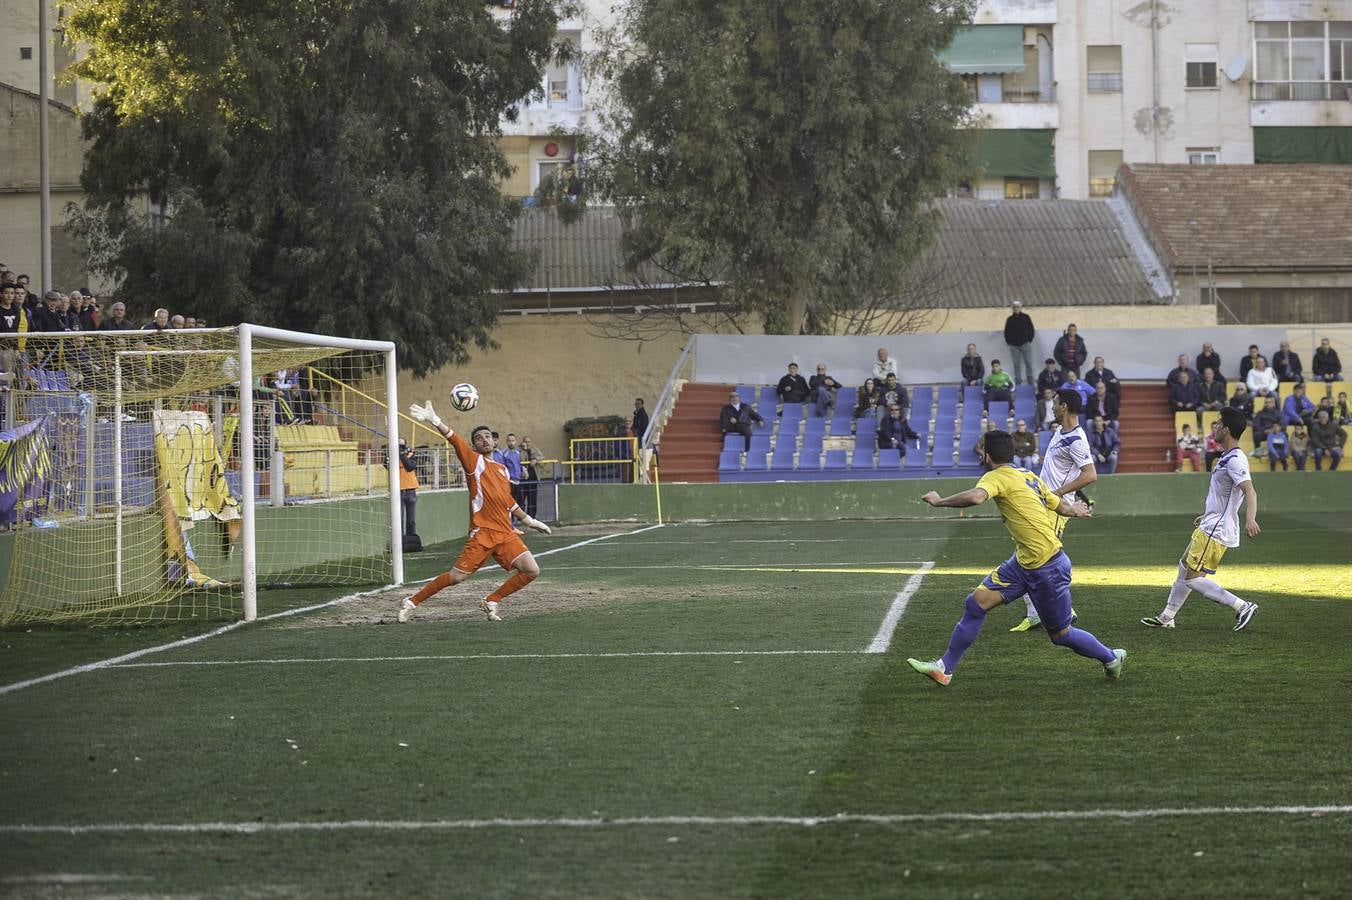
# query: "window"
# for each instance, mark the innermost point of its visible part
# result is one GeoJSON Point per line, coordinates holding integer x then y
{"type": "Point", "coordinates": [1105, 69]}
{"type": "Point", "coordinates": [1204, 156]}
{"type": "Point", "coordinates": [25, 53]}
{"type": "Point", "coordinates": [563, 79]}
{"type": "Point", "coordinates": [1200, 60]}
{"type": "Point", "coordinates": [1022, 189]}
{"type": "Point", "coordinates": [1302, 60]}
{"type": "Point", "coordinates": [1103, 166]}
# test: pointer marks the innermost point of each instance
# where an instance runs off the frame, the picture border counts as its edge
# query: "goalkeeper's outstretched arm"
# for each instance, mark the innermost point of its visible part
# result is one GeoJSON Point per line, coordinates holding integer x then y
{"type": "Point", "coordinates": [529, 521]}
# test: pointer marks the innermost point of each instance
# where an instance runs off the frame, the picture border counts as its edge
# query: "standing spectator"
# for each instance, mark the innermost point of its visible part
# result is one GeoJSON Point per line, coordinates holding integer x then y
{"type": "Point", "coordinates": [1263, 420]}
{"type": "Point", "coordinates": [894, 393]}
{"type": "Point", "coordinates": [1209, 359]}
{"type": "Point", "coordinates": [999, 386]}
{"type": "Point", "coordinates": [1050, 378]}
{"type": "Point", "coordinates": [177, 323]}
{"type": "Point", "coordinates": [883, 365]}
{"type": "Point", "coordinates": [1181, 369]}
{"type": "Point", "coordinates": [1105, 446]}
{"type": "Point", "coordinates": [1046, 410]}
{"type": "Point", "coordinates": [1100, 372]}
{"type": "Point", "coordinates": [1019, 334]}
{"type": "Point", "coordinates": [822, 388]}
{"type": "Point", "coordinates": [1327, 366]}
{"type": "Point", "coordinates": [1213, 391]}
{"type": "Point", "coordinates": [1327, 438]}
{"type": "Point", "coordinates": [1297, 409]}
{"type": "Point", "coordinates": [408, 488]}
{"type": "Point", "coordinates": [1287, 364]}
{"type": "Point", "coordinates": [737, 418]}
{"type": "Point", "coordinates": [48, 317]}
{"type": "Point", "coordinates": [792, 387]}
{"type": "Point", "coordinates": [1189, 447]}
{"type": "Point", "coordinates": [1070, 351]}
{"type": "Point", "coordinates": [27, 297]}
{"type": "Point", "coordinates": [1247, 363]}
{"type": "Point", "coordinates": [117, 320]}
{"type": "Point", "coordinates": [894, 431]}
{"type": "Point", "coordinates": [1242, 401]}
{"type": "Point", "coordinates": [70, 312]}
{"type": "Point", "coordinates": [973, 369]}
{"type": "Point", "coordinates": [867, 398]}
{"type": "Point", "coordinates": [90, 317]}
{"type": "Point", "coordinates": [159, 323]}
{"type": "Point", "coordinates": [531, 458]}
{"type": "Point", "coordinates": [1261, 380]}
{"type": "Point", "coordinates": [511, 458]}
{"type": "Point", "coordinates": [1184, 396]}
{"type": "Point", "coordinates": [1300, 446]}
{"type": "Point", "coordinates": [12, 321]}
{"type": "Point", "coordinates": [1025, 446]}
{"type": "Point", "coordinates": [1277, 445]}
{"type": "Point", "coordinates": [1103, 405]}
{"type": "Point", "coordinates": [638, 424]}
{"type": "Point", "coordinates": [1073, 383]}
{"type": "Point", "coordinates": [1214, 448]}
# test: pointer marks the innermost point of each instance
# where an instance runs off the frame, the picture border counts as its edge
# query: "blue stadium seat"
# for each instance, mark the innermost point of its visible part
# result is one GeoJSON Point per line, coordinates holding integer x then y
{"type": "Point", "coordinates": [948, 400]}
{"type": "Point", "coordinates": [915, 457]}
{"type": "Point", "coordinates": [923, 394]}
{"type": "Point", "coordinates": [999, 411]}
{"type": "Point", "coordinates": [972, 394]}
{"type": "Point", "coordinates": [815, 426]}
{"type": "Point", "coordinates": [866, 424]}
{"type": "Point", "coordinates": [755, 460]}
{"type": "Point", "coordinates": [747, 393]}
{"type": "Point", "coordinates": [1042, 438]}
{"type": "Point", "coordinates": [866, 439]}
{"type": "Point", "coordinates": [783, 459]}
{"type": "Point", "coordinates": [812, 446]}
{"type": "Point", "coordinates": [768, 395]}
{"type": "Point", "coordinates": [890, 458]}
{"type": "Point", "coordinates": [792, 412]}
{"type": "Point", "coordinates": [1025, 408]}
{"type": "Point", "coordinates": [810, 458]}
{"type": "Point", "coordinates": [768, 409]}
{"type": "Point", "coordinates": [730, 461]}
{"type": "Point", "coordinates": [835, 459]}
{"type": "Point", "coordinates": [862, 458]}
{"type": "Point", "coordinates": [734, 442]}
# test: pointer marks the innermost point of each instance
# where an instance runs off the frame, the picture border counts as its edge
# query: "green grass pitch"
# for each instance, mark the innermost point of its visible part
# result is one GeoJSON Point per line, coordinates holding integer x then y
{"type": "Point", "coordinates": [689, 712]}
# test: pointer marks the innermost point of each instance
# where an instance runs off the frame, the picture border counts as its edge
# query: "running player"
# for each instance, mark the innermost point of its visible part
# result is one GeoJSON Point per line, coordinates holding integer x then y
{"type": "Point", "coordinates": [1039, 567]}
{"type": "Point", "coordinates": [492, 533]}
{"type": "Point", "coordinates": [1216, 529]}
{"type": "Point", "coordinates": [1067, 466]}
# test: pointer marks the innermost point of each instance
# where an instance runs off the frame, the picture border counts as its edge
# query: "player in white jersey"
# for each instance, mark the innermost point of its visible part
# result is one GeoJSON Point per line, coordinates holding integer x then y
{"type": "Point", "coordinates": [1067, 466]}
{"type": "Point", "coordinates": [1216, 529]}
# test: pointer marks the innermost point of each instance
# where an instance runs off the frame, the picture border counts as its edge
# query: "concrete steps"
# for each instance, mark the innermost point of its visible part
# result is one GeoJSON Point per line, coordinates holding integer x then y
{"type": "Point", "coordinates": [1147, 430]}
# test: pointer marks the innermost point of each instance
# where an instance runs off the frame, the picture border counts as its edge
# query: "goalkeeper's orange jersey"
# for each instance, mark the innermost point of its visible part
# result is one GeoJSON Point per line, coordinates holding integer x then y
{"type": "Point", "coordinates": [490, 490]}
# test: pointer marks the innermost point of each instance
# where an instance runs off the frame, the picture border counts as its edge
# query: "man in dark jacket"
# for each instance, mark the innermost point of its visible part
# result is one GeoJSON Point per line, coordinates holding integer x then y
{"type": "Point", "coordinates": [1100, 372]}
{"type": "Point", "coordinates": [894, 431]}
{"type": "Point", "coordinates": [1049, 378]}
{"type": "Point", "coordinates": [792, 387]}
{"type": "Point", "coordinates": [973, 369]}
{"type": "Point", "coordinates": [1287, 364]}
{"type": "Point", "coordinates": [1213, 391]}
{"type": "Point", "coordinates": [1327, 366]}
{"type": "Point", "coordinates": [1070, 351]}
{"type": "Point", "coordinates": [1209, 359]}
{"type": "Point", "coordinates": [638, 425]}
{"type": "Point", "coordinates": [1248, 362]}
{"type": "Point", "coordinates": [1019, 333]}
{"type": "Point", "coordinates": [737, 417]}
{"type": "Point", "coordinates": [1180, 369]}
{"type": "Point", "coordinates": [1327, 439]}
{"type": "Point", "coordinates": [822, 388]}
{"type": "Point", "coordinates": [1103, 404]}
{"type": "Point", "coordinates": [1263, 420]}
{"type": "Point", "coordinates": [1184, 395]}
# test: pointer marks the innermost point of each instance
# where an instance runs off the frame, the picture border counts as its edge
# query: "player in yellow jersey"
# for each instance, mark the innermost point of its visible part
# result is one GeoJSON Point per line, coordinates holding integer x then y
{"type": "Point", "coordinates": [1038, 568]}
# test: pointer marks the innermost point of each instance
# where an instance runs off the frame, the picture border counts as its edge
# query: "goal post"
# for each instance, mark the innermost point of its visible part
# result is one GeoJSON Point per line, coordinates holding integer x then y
{"type": "Point", "coordinates": [150, 476]}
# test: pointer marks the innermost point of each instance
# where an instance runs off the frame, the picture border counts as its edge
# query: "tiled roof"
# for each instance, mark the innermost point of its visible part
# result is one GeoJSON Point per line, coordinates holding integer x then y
{"type": "Point", "coordinates": [1054, 253]}
{"type": "Point", "coordinates": [1275, 217]}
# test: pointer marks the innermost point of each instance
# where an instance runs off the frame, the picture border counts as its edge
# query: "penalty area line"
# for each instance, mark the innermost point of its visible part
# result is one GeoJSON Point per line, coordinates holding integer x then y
{"type": "Point", "coordinates": [937, 818]}
{"type": "Point", "coordinates": [883, 639]}
{"type": "Point", "coordinates": [226, 629]}
{"type": "Point", "coordinates": [474, 657]}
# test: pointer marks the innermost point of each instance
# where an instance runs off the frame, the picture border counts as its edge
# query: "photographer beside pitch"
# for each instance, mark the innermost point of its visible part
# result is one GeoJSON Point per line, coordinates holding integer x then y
{"type": "Point", "coordinates": [492, 533]}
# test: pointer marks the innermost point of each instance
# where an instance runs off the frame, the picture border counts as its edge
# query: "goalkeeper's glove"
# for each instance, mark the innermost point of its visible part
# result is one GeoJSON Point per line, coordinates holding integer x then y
{"type": "Point", "coordinates": [426, 413]}
{"type": "Point", "coordinates": [532, 522]}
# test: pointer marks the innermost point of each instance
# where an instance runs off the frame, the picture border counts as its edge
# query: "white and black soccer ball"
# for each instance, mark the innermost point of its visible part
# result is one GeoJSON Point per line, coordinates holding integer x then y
{"type": "Point", "coordinates": [464, 396]}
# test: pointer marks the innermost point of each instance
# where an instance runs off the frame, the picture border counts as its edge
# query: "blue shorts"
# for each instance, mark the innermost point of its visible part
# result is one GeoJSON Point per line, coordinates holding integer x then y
{"type": "Point", "coordinates": [1048, 587]}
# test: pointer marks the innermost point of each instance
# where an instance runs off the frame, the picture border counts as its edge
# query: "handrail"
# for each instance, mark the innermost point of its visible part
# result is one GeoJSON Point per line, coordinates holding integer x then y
{"type": "Point", "coordinates": [379, 403]}
{"type": "Point", "coordinates": [668, 393]}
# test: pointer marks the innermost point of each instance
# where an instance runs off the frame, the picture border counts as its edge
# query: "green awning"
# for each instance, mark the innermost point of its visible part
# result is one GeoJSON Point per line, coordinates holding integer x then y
{"type": "Point", "coordinates": [1315, 144]}
{"type": "Point", "coordinates": [985, 50]}
{"type": "Point", "coordinates": [1016, 152]}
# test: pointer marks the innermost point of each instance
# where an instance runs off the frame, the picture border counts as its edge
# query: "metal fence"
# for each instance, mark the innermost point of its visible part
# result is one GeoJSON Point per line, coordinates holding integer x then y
{"type": "Point", "coordinates": [608, 460]}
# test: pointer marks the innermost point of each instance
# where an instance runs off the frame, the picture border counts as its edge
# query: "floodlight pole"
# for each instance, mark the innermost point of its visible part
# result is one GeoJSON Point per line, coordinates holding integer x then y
{"type": "Point", "coordinates": [44, 170]}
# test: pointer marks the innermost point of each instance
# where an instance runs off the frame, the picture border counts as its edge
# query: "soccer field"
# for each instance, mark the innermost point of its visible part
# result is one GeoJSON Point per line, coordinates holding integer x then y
{"type": "Point", "coordinates": [720, 711]}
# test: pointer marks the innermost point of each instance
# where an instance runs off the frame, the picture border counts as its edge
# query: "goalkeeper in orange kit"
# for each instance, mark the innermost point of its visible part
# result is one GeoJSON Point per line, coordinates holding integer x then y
{"type": "Point", "coordinates": [491, 510]}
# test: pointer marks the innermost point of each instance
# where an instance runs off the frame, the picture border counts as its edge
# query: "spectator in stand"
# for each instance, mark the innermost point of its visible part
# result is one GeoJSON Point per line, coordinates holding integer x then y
{"type": "Point", "coordinates": [1104, 446]}
{"type": "Point", "coordinates": [1189, 447]}
{"type": "Point", "coordinates": [1327, 366]}
{"type": "Point", "coordinates": [1241, 401]}
{"type": "Point", "coordinates": [1247, 363]}
{"type": "Point", "coordinates": [894, 431]}
{"type": "Point", "coordinates": [638, 423]}
{"type": "Point", "coordinates": [1025, 446]}
{"type": "Point", "coordinates": [511, 458]}
{"type": "Point", "coordinates": [1100, 372]}
{"type": "Point", "coordinates": [177, 322]}
{"type": "Point", "coordinates": [1298, 409]}
{"type": "Point", "coordinates": [895, 393]}
{"type": "Point", "coordinates": [1209, 359]}
{"type": "Point", "coordinates": [822, 388]}
{"type": "Point", "coordinates": [117, 320]}
{"type": "Point", "coordinates": [1214, 448]}
{"type": "Point", "coordinates": [999, 386]}
{"type": "Point", "coordinates": [1070, 351]}
{"type": "Point", "coordinates": [1325, 403]}
{"type": "Point", "coordinates": [12, 321]}
{"type": "Point", "coordinates": [1263, 420]}
{"type": "Point", "coordinates": [1046, 411]}
{"type": "Point", "coordinates": [737, 418]}
{"type": "Point", "coordinates": [792, 387]}
{"type": "Point", "coordinates": [1103, 405]}
{"type": "Point", "coordinates": [408, 488]}
{"type": "Point", "coordinates": [980, 446]}
{"type": "Point", "coordinates": [1300, 445]}
{"type": "Point", "coordinates": [1261, 380]}
{"type": "Point", "coordinates": [1073, 383]}
{"type": "Point", "coordinates": [973, 369]}
{"type": "Point", "coordinates": [1181, 369]}
{"type": "Point", "coordinates": [867, 397]}
{"type": "Point", "coordinates": [531, 458]}
{"type": "Point", "coordinates": [28, 298]}
{"type": "Point", "coordinates": [1050, 378]}
{"type": "Point", "coordinates": [1184, 395]}
{"type": "Point", "coordinates": [1343, 409]}
{"type": "Point", "coordinates": [1213, 391]}
{"type": "Point", "coordinates": [48, 317]}
{"type": "Point", "coordinates": [1327, 438]}
{"type": "Point", "coordinates": [90, 316]}
{"type": "Point", "coordinates": [1286, 364]}
{"type": "Point", "coordinates": [1019, 333]}
{"type": "Point", "coordinates": [70, 310]}
{"type": "Point", "coordinates": [159, 323]}
{"type": "Point", "coordinates": [1277, 446]}
{"type": "Point", "coordinates": [883, 365]}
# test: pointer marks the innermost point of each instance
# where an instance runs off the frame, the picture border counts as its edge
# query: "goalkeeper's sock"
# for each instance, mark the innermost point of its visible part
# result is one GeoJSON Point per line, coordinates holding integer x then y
{"type": "Point", "coordinates": [1213, 591]}
{"type": "Point", "coordinates": [968, 627]}
{"type": "Point", "coordinates": [510, 586]}
{"type": "Point", "coordinates": [440, 583]}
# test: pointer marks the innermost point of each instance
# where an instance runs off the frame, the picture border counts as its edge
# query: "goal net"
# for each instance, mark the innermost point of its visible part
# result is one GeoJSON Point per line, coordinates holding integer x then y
{"type": "Point", "coordinates": [150, 476]}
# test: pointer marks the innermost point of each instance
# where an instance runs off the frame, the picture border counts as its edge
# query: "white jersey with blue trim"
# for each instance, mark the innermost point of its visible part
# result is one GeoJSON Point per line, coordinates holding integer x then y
{"type": "Point", "coordinates": [1067, 453]}
{"type": "Point", "coordinates": [1220, 522]}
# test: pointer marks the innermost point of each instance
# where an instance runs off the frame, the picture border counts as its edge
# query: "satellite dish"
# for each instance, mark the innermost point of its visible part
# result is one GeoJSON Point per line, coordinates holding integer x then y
{"type": "Point", "coordinates": [1235, 69]}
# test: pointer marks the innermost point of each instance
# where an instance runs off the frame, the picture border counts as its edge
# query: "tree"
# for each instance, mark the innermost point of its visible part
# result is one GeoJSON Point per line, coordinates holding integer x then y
{"type": "Point", "coordinates": [327, 165]}
{"type": "Point", "coordinates": [785, 149]}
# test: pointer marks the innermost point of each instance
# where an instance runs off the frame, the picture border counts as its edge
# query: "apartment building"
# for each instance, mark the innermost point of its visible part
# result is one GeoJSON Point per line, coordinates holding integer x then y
{"type": "Point", "coordinates": [1069, 90]}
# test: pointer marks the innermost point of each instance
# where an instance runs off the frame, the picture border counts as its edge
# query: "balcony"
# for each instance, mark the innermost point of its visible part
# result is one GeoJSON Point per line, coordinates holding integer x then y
{"type": "Point", "coordinates": [1300, 104]}
{"type": "Point", "coordinates": [1301, 90]}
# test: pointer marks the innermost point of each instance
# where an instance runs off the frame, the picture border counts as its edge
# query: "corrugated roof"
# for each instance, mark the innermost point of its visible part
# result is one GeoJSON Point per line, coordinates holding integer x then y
{"type": "Point", "coordinates": [1281, 217]}
{"type": "Point", "coordinates": [581, 256]}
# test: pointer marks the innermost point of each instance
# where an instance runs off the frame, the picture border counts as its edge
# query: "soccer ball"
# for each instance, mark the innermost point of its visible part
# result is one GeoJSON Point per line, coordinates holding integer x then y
{"type": "Point", "coordinates": [464, 397]}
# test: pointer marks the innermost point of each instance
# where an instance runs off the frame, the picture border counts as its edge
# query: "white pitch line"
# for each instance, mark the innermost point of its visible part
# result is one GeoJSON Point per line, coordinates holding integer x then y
{"type": "Point", "coordinates": [471, 657]}
{"type": "Point", "coordinates": [673, 821]}
{"type": "Point", "coordinates": [225, 629]}
{"type": "Point", "coordinates": [793, 564]}
{"type": "Point", "coordinates": [883, 639]}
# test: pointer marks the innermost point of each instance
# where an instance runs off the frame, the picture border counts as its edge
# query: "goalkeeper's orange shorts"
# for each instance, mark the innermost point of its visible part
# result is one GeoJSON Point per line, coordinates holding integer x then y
{"type": "Point", "coordinates": [503, 546]}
